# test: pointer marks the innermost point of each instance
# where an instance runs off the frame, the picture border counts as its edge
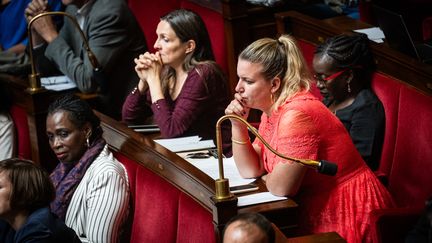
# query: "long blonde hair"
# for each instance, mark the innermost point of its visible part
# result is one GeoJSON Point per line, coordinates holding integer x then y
{"type": "Point", "coordinates": [280, 58]}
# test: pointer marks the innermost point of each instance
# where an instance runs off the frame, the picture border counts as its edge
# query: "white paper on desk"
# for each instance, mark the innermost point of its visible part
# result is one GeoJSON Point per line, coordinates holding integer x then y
{"type": "Point", "coordinates": [185, 143]}
{"type": "Point", "coordinates": [58, 83]}
{"type": "Point", "coordinates": [374, 34]}
{"type": "Point", "coordinates": [257, 198]}
{"type": "Point", "coordinates": [211, 168]}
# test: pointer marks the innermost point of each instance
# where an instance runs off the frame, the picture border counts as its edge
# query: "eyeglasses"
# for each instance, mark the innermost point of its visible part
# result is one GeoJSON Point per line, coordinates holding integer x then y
{"type": "Point", "coordinates": [331, 77]}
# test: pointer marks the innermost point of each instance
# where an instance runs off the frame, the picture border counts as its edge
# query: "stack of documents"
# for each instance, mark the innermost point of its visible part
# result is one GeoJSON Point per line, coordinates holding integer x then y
{"type": "Point", "coordinates": [58, 83]}
{"type": "Point", "coordinates": [183, 144]}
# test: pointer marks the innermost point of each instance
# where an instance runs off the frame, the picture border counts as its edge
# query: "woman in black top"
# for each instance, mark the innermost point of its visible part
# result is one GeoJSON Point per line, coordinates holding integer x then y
{"type": "Point", "coordinates": [344, 66]}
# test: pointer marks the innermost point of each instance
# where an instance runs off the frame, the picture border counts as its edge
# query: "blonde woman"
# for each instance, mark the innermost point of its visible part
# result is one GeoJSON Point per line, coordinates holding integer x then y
{"type": "Point", "coordinates": [274, 78]}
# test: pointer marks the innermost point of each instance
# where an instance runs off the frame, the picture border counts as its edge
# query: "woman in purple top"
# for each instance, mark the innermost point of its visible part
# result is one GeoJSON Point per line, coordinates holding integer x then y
{"type": "Point", "coordinates": [180, 84]}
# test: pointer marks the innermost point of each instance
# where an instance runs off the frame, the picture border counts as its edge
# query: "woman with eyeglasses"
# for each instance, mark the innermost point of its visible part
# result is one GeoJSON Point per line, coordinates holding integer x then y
{"type": "Point", "coordinates": [344, 66]}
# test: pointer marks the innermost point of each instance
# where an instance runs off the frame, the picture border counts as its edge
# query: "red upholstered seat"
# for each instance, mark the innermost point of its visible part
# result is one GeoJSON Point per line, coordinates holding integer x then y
{"type": "Point", "coordinates": [215, 25]}
{"type": "Point", "coordinates": [161, 212]}
{"type": "Point", "coordinates": [148, 14]}
{"type": "Point", "coordinates": [387, 89]}
{"type": "Point", "coordinates": [406, 157]}
{"type": "Point", "coordinates": [19, 117]}
{"type": "Point", "coordinates": [427, 28]}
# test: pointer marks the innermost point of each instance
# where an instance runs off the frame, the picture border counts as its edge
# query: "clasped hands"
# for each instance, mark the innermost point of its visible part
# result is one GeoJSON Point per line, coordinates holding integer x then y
{"type": "Point", "coordinates": [148, 67]}
{"type": "Point", "coordinates": [44, 26]}
{"type": "Point", "coordinates": [237, 107]}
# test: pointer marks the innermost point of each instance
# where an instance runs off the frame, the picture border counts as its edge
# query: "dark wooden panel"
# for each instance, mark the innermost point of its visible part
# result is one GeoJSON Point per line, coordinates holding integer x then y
{"type": "Point", "coordinates": [389, 61]}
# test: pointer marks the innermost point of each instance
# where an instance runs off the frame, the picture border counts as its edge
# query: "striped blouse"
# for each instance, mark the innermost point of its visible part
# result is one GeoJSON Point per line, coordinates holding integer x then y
{"type": "Point", "coordinates": [100, 203]}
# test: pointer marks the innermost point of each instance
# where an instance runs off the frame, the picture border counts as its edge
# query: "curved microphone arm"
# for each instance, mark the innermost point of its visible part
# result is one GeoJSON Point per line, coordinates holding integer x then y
{"type": "Point", "coordinates": [222, 191]}
{"type": "Point", "coordinates": [35, 84]}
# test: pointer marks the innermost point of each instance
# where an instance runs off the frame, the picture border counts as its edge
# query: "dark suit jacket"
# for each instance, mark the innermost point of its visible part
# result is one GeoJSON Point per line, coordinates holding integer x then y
{"type": "Point", "coordinates": [41, 226]}
{"type": "Point", "coordinates": [115, 38]}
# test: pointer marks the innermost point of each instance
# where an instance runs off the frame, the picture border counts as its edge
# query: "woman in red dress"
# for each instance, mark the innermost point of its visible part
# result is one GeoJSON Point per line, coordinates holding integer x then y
{"type": "Point", "coordinates": [273, 78]}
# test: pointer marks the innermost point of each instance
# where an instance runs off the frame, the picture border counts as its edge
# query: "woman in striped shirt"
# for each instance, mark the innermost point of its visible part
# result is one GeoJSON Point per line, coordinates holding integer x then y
{"type": "Point", "coordinates": [92, 188]}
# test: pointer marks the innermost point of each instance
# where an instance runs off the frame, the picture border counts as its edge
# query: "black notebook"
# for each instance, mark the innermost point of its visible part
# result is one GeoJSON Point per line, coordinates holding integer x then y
{"type": "Point", "coordinates": [398, 37]}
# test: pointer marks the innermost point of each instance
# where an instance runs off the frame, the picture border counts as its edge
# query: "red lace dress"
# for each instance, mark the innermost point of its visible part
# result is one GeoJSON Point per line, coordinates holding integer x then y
{"type": "Point", "coordinates": [304, 128]}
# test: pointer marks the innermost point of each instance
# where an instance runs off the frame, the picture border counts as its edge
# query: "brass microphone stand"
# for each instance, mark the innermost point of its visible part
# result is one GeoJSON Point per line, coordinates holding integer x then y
{"type": "Point", "coordinates": [34, 77]}
{"type": "Point", "coordinates": [222, 184]}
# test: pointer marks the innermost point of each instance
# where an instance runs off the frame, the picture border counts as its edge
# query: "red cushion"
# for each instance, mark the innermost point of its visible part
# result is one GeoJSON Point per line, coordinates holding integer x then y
{"type": "Point", "coordinates": [410, 178]}
{"type": "Point", "coordinates": [427, 28]}
{"type": "Point", "coordinates": [308, 51]}
{"type": "Point", "coordinates": [19, 117]}
{"type": "Point", "coordinates": [387, 89]}
{"type": "Point", "coordinates": [190, 211]}
{"type": "Point", "coordinates": [161, 212]}
{"type": "Point", "coordinates": [215, 26]}
{"type": "Point", "coordinates": [148, 14]}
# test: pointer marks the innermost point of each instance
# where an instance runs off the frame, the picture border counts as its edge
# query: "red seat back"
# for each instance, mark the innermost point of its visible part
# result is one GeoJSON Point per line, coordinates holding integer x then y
{"type": "Point", "coordinates": [161, 212]}
{"type": "Point", "coordinates": [19, 117]}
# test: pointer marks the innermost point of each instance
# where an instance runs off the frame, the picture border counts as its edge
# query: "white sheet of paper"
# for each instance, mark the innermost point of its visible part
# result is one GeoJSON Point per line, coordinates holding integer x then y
{"type": "Point", "coordinates": [58, 83]}
{"type": "Point", "coordinates": [374, 34]}
{"type": "Point", "coordinates": [257, 198]}
{"type": "Point", "coordinates": [185, 143]}
{"type": "Point", "coordinates": [211, 168]}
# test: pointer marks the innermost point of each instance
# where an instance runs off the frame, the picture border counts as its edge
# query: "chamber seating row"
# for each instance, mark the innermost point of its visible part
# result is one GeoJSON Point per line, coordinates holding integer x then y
{"type": "Point", "coordinates": [406, 159]}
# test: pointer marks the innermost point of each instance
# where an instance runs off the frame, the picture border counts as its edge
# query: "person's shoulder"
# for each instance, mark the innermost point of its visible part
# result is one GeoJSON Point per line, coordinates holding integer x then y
{"type": "Point", "coordinates": [107, 163]}
{"type": "Point", "coordinates": [367, 97]}
{"type": "Point", "coordinates": [45, 225]}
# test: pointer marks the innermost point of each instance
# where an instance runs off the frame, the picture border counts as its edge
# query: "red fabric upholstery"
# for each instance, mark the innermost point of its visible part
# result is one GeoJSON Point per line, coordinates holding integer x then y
{"type": "Point", "coordinates": [406, 157]}
{"type": "Point", "coordinates": [19, 117]}
{"type": "Point", "coordinates": [161, 212]}
{"type": "Point", "coordinates": [194, 222]}
{"type": "Point", "coordinates": [148, 13]}
{"type": "Point", "coordinates": [215, 26]}
{"type": "Point", "coordinates": [412, 170]}
{"type": "Point", "coordinates": [387, 90]}
{"type": "Point", "coordinates": [308, 51]}
{"type": "Point", "coordinates": [427, 28]}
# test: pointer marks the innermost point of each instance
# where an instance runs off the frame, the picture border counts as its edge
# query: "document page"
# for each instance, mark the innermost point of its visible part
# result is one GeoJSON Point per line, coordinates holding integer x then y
{"type": "Point", "coordinates": [211, 168]}
{"type": "Point", "coordinates": [58, 83]}
{"type": "Point", "coordinates": [257, 198]}
{"type": "Point", "coordinates": [185, 143]}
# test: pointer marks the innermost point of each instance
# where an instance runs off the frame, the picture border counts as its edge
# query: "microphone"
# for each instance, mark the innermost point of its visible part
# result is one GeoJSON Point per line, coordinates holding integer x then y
{"type": "Point", "coordinates": [34, 77]}
{"type": "Point", "coordinates": [222, 185]}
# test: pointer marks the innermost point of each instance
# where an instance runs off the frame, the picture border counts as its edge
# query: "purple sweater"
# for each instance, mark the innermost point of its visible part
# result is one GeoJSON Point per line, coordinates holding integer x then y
{"type": "Point", "coordinates": [195, 111]}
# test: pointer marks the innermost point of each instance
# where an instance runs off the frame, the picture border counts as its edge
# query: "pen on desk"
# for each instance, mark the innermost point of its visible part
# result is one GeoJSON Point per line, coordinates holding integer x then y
{"type": "Point", "coordinates": [199, 155]}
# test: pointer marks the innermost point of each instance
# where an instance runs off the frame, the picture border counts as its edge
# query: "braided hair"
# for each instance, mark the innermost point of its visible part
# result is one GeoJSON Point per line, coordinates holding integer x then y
{"type": "Point", "coordinates": [349, 51]}
{"type": "Point", "coordinates": [79, 112]}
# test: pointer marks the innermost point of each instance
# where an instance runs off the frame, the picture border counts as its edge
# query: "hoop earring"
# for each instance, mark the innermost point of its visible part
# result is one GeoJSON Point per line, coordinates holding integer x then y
{"type": "Point", "coordinates": [88, 139]}
{"type": "Point", "coordinates": [272, 98]}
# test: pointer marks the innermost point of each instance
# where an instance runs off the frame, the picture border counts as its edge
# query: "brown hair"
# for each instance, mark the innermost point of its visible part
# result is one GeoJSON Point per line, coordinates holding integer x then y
{"type": "Point", "coordinates": [31, 186]}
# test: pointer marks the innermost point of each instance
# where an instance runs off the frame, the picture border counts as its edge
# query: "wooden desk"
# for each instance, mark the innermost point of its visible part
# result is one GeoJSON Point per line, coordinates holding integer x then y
{"type": "Point", "coordinates": [189, 179]}
{"type": "Point", "coordinates": [331, 237]}
{"type": "Point", "coordinates": [389, 61]}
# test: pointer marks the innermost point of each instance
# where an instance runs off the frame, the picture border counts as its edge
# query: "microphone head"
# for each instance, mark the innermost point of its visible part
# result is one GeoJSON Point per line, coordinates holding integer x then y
{"type": "Point", "coordinates": [327, 168]}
